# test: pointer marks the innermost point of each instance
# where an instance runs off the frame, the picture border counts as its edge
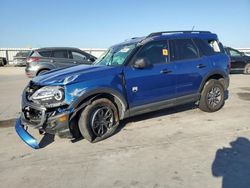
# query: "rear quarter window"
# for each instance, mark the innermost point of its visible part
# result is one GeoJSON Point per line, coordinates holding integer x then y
{"type": "Point", "coordinates": [45, 53]}
{"type": "Point", "coordinates": [41, 54]}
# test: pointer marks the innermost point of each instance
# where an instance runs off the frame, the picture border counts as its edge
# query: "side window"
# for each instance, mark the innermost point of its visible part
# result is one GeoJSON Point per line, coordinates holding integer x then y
{"type": "Point", "coordinates": [60, 54]}
{"type": "Point", "coordinates": [183, 49]}
{"type": "Point", "coordinates": [45, 53]}
{"type": "Point", "coordinates": [78, 56]}
{"type": "Point", "coordinates": [234, 53]}
{"type": "Point", "coordinates": [204, 47]}
{"type": "Point", "coordinates": [154, 52]}
{"type": "Point", "coordinates": [40, 54]}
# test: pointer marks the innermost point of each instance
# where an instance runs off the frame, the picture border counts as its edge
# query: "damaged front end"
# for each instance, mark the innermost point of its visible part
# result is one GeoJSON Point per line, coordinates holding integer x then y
{"type": "Point", "coordinates": [43, 108]}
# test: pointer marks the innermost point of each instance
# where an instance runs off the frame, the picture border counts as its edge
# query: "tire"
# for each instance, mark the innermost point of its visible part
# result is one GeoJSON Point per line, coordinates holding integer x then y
{"type": "Point", "coordinates": [247, 69]}
{"type": "Point", "coordinates": [92, 123]}
{"type": "Point", "coordinates": [212, 96]}
{"type": "Point", "coordinates": [42, 72]}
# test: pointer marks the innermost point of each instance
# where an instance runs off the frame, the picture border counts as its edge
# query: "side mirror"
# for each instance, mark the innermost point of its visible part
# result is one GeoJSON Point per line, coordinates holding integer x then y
{"type": "Point", "coordinates": [141, 63]}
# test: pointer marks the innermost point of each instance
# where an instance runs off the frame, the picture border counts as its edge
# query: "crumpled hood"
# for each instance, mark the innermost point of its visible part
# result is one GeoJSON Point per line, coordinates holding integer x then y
{"type": "Point", "coordinates": [72, 75]}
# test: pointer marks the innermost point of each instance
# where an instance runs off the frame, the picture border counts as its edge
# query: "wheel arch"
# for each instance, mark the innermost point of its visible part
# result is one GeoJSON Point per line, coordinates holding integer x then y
{"type": "Point", "coordinates": [111, 94]}
{"type": "Point", "coordinates": [42, 69]}
{"type": "Point", "coordinates": [213, 75]}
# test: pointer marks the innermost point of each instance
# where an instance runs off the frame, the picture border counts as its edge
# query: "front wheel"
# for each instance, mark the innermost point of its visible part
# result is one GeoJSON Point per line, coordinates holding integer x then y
{"type": "Point", "coordinates": [98, 120]}
{"type": "Point", "coordinates": [247, 69]}
{"type": "Point", "coordinates": [212, 96]}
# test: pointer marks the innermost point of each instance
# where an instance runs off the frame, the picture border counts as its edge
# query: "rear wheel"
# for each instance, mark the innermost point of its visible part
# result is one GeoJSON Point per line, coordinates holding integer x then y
{"type": "Point", "coordinates": [212, 96]}
{"type": "Point", "coordinates": [98, 120]}
{"type": "Point", "coordinates": [42, 72]}
{"type": "Point", "coordinates": [247, 69]}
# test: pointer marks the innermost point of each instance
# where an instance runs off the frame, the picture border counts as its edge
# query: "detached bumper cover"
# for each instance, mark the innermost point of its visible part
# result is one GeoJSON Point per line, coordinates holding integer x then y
{"type": "Point", "coordinates": [25, 136]}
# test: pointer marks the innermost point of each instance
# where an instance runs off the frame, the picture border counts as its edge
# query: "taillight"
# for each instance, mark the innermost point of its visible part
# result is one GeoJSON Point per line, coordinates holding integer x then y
{"type": "Point", "coordinates": [32, 59]}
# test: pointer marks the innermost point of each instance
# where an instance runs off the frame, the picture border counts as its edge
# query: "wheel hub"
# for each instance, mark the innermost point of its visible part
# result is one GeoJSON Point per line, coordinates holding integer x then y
{"type": "Point", "coordinates": [102, 120]}
{"type": "Point", "coordinates": [214, 96]}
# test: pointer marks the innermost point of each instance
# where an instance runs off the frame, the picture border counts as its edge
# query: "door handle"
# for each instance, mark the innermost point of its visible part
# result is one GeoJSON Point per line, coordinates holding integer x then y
{"type": "Point", "coordinates": [165, 71]}
{"type": "Point", "coordinates": [200, 66]}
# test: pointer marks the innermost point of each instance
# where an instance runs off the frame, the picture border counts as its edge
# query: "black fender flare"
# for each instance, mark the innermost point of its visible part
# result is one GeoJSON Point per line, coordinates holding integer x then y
{"type": "Point", "coordinates": [80, 102]}
{"type": "Point", "coordinates": [215, 72]}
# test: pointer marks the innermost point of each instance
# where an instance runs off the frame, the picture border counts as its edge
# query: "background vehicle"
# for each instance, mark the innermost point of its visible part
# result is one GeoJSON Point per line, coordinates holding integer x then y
{"type": "Point", "coordinates": [161, 70]}
{"type": "Point", "coordinates": [45, 59]}
{"type": "Point", "coordinates": [3, 61]}
{"type": "Point", "coordinates": [239, 61]}
{"type": "Point", "coordinates": [20, 58]}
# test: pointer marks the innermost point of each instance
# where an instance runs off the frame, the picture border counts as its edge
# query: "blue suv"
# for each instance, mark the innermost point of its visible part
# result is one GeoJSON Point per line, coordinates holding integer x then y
{"type": "Point", "coordinates": [140, 75]}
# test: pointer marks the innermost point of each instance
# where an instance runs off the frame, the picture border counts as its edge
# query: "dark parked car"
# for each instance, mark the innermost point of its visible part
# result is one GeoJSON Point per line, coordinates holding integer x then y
{"type": "Point", "coordinates": [239, 61]}
{"type": "Point", "coordinates": [3, 61]}
{"type": "Point", "coordinates": [20, 58]}
{"type": "Point", "coordinates": [141, 75]}
{"type": "Point", "coordinates": [45, 59]}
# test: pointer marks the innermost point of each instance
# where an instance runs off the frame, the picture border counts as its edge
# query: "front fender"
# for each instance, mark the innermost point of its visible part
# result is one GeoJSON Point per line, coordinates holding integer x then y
{"type": "Point", "coordinates": [100, 91]}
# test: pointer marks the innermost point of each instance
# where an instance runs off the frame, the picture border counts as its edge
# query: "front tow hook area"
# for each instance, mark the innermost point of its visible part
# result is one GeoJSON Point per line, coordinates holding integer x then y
{"type": "Point", "coordinates": [25, 136]}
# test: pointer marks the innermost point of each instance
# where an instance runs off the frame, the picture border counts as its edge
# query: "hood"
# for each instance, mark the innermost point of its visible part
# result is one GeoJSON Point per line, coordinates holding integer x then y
{"type": "Point", "coordinates": [73, 74]}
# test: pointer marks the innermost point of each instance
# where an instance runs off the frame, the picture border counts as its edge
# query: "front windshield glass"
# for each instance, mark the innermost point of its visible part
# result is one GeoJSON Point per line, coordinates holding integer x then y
{"type": "Point", "coordinates": [115, 56]}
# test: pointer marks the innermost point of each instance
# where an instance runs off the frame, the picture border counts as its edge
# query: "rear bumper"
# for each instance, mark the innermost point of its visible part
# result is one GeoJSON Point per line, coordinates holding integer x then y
{"type": "Point", "coordinates": [30, 73]}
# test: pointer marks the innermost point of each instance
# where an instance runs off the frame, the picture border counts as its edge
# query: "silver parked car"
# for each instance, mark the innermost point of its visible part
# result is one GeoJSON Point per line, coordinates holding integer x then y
{"type": "Point", "coordinates": [45, 59]}
{"type": "Point", "coordinates": [20, 58]}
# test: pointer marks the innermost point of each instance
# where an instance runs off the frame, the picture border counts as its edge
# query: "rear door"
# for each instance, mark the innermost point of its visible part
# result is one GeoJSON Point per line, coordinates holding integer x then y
{"type": "Point", "coordinates": [153, 83]}
{"type": "Point", "coordinates": [191, 67]}
{"type": "Point", "coordinates": [60, 58]}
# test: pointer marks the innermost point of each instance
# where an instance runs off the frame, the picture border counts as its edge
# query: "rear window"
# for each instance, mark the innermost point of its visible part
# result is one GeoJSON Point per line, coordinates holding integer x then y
{"type": "Point", "coordinates": [60, 54]}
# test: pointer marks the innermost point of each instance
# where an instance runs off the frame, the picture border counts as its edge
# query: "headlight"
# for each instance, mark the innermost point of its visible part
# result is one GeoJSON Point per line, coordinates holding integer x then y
{"type": "Point", "coordinates": [49, 96]}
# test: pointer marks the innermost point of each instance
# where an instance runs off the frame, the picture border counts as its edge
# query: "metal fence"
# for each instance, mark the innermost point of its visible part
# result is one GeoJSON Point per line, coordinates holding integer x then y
{"type": "Point", "coordinates": [9, 53]}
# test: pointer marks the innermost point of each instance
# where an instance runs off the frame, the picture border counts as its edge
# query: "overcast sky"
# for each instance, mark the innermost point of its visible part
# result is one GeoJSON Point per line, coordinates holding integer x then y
{"type": "Point", "coordinates": [99, 24]}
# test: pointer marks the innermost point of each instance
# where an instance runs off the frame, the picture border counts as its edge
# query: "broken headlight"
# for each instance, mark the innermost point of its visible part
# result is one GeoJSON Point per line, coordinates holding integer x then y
{"type": "Point", "coordinates": [49, 96]}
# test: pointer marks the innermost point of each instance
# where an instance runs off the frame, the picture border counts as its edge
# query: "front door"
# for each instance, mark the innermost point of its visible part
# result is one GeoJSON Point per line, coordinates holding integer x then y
{"type": "Point", "coordinates": [155, 82]}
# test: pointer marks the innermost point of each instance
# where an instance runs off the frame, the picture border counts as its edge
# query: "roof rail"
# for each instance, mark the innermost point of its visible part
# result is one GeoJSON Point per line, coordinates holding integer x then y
{"type": "Point", "coordinates": [171, 32]}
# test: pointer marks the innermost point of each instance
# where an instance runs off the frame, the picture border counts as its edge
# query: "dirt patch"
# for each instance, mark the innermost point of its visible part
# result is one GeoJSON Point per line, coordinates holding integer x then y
{"type": "Point", "coordinates": [244, 96]}
{"type": "Point", "coordinates": [7, 123]}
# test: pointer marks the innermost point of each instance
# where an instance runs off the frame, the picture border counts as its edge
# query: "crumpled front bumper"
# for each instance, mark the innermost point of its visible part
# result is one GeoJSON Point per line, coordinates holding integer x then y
{"type": "Point", "coordinates": [25, 136]}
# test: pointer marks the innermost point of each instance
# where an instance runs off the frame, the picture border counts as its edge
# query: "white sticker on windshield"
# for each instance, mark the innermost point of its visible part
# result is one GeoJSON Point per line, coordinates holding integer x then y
{"type": "Point", "coordinates": [124, 50]}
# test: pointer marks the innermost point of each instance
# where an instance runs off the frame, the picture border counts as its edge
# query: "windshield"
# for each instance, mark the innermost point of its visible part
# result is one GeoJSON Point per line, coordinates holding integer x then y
{"type": "Point", "coordinates": [115, 56]}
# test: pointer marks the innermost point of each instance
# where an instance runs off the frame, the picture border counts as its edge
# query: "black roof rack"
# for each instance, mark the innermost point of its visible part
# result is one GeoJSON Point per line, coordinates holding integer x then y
{"type": "Point", "coordinates": [170, 32]}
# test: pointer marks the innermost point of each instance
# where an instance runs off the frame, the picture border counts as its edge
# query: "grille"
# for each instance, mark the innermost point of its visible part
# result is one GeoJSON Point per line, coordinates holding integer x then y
{"type": "Point", "coordinates": [32, 115]}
